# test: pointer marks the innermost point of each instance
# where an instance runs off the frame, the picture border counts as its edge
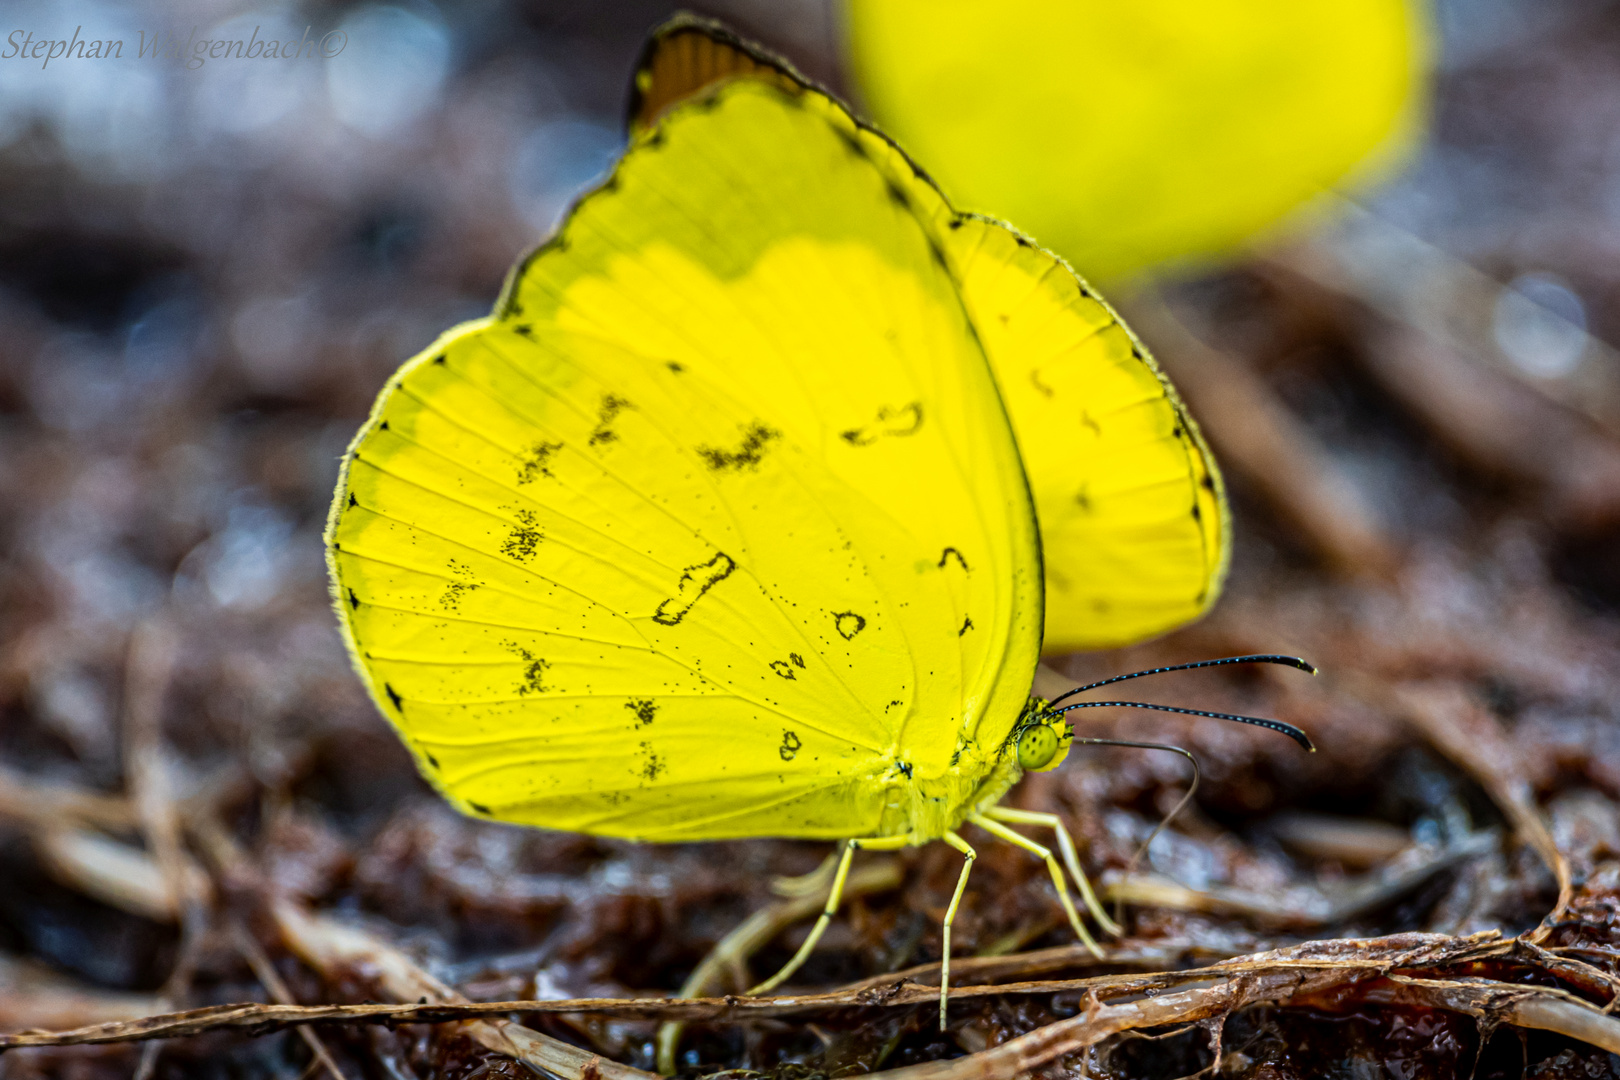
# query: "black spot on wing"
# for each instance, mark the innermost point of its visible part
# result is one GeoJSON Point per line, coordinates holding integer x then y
{"type": "Point", "coordinates": [533, 674]}
{"type": "Point", "coordinates": [431, 760]}
{"type": "Point", "coordinates": [851, 141]}
{"type": "Point", "coordinates": [951, 553]}
{"type": "Point", "coordinates": [607, 412]}
{"type": "Point", "coordinates": [652, 765]}
{"type": "Point", "coordinates": [439, 359]}
{"type": "Point", "coordinates": [967, 624]}
{"type": "Point", "coordinates": [525, 537]}
{"type": "Point", "coordinates": [783, 668]}
{"type": "Point", "coordinates": [1207, 483]}
{"type": "Point", "coordinates": [393, 695]}
{"type": "Point", "coordinates": [675, 366]}
{"type": "Point", "coordinates": [537, 462]}
{"type": "Point", "coordinates": [524, 330]}
{"type": "Point", "coordinates": [695, 581]}
{"type": "Point", "coordinates": [749, 452]}
{"type": "Point", "coordinates": [796, 658]}
{"type": "Point", "coordinates": [481, 808]}
{"type": "Point", "coordinates": [904, 420]}
{"type": "Point", "coordinates": [644, 709]}
{"type": "Point", "coordinates": [790, 745]}
{"type": "Point", "coordinates": [848, 624]}
{"type": "Point", "coordinates": [352, 500]}
{"type": "Point", "coordinates": [897, 195]}
{"type": "Point", "coordinates": [1197, 514]}
{"type": "Point", "coordinates": [462, 584]}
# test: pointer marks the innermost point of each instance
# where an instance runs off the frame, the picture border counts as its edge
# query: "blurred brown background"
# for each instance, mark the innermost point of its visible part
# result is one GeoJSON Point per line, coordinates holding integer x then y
{"type": "Point", "coordinates": [206, 275]}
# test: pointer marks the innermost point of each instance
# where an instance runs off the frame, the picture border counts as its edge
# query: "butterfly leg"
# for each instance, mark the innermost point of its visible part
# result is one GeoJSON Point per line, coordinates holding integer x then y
{"type": "Point", "coordinates": [876, 843]}
{"type": "Point", "coordinates": [997, 829]}
{"type": "Point", "coordinates": [950, 916]}
{"type": "Point", "coordinates": [1070, 859]}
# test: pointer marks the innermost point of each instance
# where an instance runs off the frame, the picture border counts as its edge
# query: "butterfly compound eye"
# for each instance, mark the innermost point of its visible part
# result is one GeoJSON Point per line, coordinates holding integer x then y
{"type": "Point", "coordinates": [1036, 748]}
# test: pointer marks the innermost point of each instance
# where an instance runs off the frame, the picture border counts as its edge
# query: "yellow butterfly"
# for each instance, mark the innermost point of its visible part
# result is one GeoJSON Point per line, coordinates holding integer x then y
{"type": "Point", "coordinates": [718, 527]}
{"type": "Point", "coordinates": [1127, 134]}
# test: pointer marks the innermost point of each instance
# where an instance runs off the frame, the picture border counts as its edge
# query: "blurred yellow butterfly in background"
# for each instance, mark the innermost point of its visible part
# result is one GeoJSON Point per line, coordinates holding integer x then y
{"type": "Point", "coordinates": [1128, 134]}
{"type": "Point", "coordinates": [718, 526]}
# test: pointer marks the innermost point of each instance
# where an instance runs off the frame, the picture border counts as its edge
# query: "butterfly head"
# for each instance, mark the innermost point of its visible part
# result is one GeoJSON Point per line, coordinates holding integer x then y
{"type": "Point", "coordinates": [1041, 738]}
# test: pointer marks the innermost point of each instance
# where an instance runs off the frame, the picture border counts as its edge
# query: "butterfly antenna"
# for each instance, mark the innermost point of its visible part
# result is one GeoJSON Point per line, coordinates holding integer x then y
{"type": "Point", "coordinates": [1192, 788]}
{"type": "Point", "coordinates": [1258, 721]}
{"type": "Point", "coordinates": [1259, 658]}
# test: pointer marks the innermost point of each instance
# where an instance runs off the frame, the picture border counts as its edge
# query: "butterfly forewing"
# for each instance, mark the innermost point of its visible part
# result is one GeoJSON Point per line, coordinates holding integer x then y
{"type": "Point", "coordinates": [718, 528]}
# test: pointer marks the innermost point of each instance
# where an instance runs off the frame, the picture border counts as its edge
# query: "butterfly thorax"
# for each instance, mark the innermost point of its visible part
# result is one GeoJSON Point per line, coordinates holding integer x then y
{"type": "Point", "coordinates": [924, 808]}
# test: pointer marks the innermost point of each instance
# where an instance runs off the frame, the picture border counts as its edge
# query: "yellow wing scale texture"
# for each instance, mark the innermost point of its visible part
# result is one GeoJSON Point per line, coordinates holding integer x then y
{"type": "Point", "coordinates": [717, 528]}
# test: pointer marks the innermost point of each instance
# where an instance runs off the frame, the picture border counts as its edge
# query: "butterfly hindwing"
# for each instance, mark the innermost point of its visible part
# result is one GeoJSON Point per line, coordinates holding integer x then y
{"type": "Point", "coordinates": [1133, 516]}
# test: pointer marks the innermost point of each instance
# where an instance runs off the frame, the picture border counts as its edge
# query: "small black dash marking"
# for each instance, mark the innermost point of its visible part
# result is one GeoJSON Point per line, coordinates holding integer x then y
{"type": "Point", "coordinates": [393, 695]}
{"type": "Point", "coordinates": [695, 581]}
{"type": "Point", "coordinates": [656, 139]}
{"type": "Point", "coordinates": [352, 500]}
{"type": "Point", "coordinates": [796, 658]}
{"type": "Point", "coordinates": [967, 624]}
{"type": "Point", "coordinates": [784, 669]}
{"type": "Point", "coordinates": [612, 405]}
{"type": "Point", "coordinates": [675, 367]}
{"type": "Point", "coordinates": [1175, 432]}
{"type": "Point", "coordinates": [524, 538]}
{"type": "Point", "coordinates": [537, 462]}
{"type": "Point", "coordinates": [748, 453]}
{"type": "Point", "coordinates": [902, 421]}
{"type": "Point", "coordinates": [897, 196]}
{"type": "Point", "coordinates": [383, 426]}
{"type": "Point", "coordinates": [655, 765]}
{"type": "Point", "coordinates": [481, 808]}
{"type": "Point", "coordinates": [354, 601]}
{"type": "Point", "coordinates": [1198, 515]}
{"type": "Point", "coordinates": [957, 223]}
{"type": "Point", "coordinates": [439, 359]}
{"type": "Point", "coordinates": [905, 767]}
{"type": "Point", "coordinates": [848, 624]}
{"type": "Point", "coordinates": [1022, 241]}
{"type": "Point", "coordinates": [952, 553]}
{"type": "Point", "coordinates": [611, 184]}
{"type": "Point", "coordinates": [1207, 483]}
{"type": "Point", "coordinates": [431, 760]}
{"type": "Point", "coordinates": [525, 330]}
